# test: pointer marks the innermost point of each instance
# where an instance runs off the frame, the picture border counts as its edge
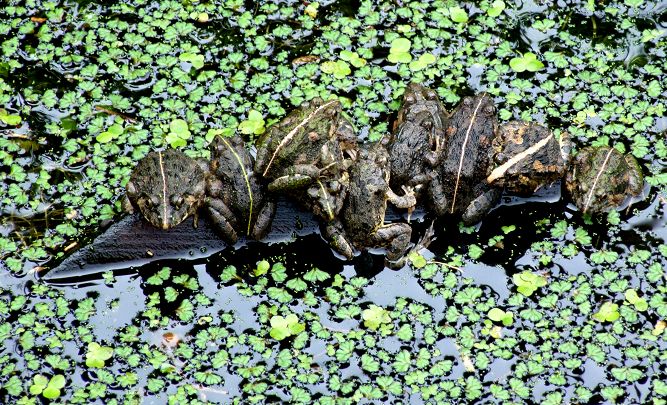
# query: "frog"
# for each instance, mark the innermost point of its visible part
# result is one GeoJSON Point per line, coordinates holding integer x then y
{"type": "Point", "coordinates": [361, 223]}
{"type": "Point", "coordinates": [418, 98]}
{"type": "Point", "coordinates": [601, 178]}
{"type": "Point", "coordinates": [237, 202]}
{"type": "Point", "coordinates": [416, 143]}
{"type": "Point", "coordinates": [527, 156]}
{"type": "Point", "coordinates": [307, 156]}
{"type": "Point", "coordinates": [459, 186]}
{"type": "Point", "coordinates": [166, 187]}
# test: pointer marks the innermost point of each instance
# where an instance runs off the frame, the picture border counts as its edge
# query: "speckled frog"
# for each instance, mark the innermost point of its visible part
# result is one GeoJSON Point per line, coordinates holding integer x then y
{"type": "Point", "coordinates": [166, 187]}
{"type": "Point", "coordinates": [307, 155]}
{"type": "Point", "coordinates": [237, 203]}
{"type": "Point", "coordinates": [601, 178]}
{"type": "Point", "coordinates": [362, 217]}
{"type": "Point", "coordinates": [459, 186]}
{"type": "Point", "coordinates": [416, 144]}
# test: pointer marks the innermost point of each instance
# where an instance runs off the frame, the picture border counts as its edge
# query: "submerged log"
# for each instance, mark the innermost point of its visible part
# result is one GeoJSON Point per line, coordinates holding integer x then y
{"type": "Point", "coordinates": [132, 242]}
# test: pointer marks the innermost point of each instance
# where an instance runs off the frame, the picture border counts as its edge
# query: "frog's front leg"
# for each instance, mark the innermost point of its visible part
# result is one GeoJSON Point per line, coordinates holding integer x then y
{"type": "Point", "coordinates": [334, 233]}
{"type": "Point", "coordinates": [263, 221]}
{"type": "Point", "coordinates": [481, 205]}
{"type": "Point", "coordinates": [407, 200]}
{"type": "Point", "coordinates": [299, 176]}
{"type": "Point", "coordinates": [223, 219]}
{"type": "Point", "coordinates": [394, 237]}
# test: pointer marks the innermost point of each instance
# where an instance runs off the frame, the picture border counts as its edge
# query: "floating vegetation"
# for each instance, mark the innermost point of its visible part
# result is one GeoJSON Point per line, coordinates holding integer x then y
{"type": "Point", "coordinates": [540, 304]}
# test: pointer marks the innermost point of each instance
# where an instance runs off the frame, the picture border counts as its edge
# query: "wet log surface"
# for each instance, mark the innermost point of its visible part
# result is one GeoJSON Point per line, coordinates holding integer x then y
{"type": "Point", "coordinates": [132, 242]}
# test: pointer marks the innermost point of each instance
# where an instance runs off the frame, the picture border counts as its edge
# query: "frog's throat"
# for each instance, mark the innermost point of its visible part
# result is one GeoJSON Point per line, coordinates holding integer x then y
{"type": "Point", "coordinates": [463, 148]}
{"type": "Point", "coordinates": [247, 181]}
{"type": "Point", "coordinates": [502, 169]}
{"type": "Point", "coordinates": [589, 197]}
{"type": "Point", "coordinates": [294, 131]}
{"type": "Point", "coordinates": [165, 206]}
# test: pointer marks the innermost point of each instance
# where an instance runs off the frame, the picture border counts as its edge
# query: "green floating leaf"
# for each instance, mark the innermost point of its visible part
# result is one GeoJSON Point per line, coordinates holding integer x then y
{"type": "Point", "coordinates": [528, 282]}
{"type": "Point", "coordinates": [97, 355]}
{"type": "Point", "coordinates": [496, 8]}
{"type": "Point", "coordinates": [634, 3]}
{"type": "Point", "coordinates": [178, 133]}
{"type": "Point", "coordinates": [353, 58]}
{"type": "Point", "coordinates": [498, 315]}
{"type": "Point", "coordinates": [253, 125]}
{"type": "Point", "coordinates": [50, 389]}
{"type": "Point", "coordinates": [527, 62]}
{"type": "Point", "coordinates": [374, 316]}
{"type": "Point", "coordinates": [340, 69]}
{"type": "Point", "coordinates": [197, 60]}
{"type": "Point", "coordinates": [608, 312]}
{"type": "Point", "coordinates": [282, 328]}
{"type": "Point", "coordinates": [9, 119]}
{"type": "Point", "coordinates": [633, 298]}
{"type": "Point", "coordinates": [417, 260]}
{"type": "Point", "coordinates": [262, 268]}
{"type": "Point", "coordinates": [110, 134]}
{"type": "Point", "coordinates": [458, 15]}
{"type": "Point", "coordinates": [423, 61]}
{"type": "Point", "coordinates": [399, 52]}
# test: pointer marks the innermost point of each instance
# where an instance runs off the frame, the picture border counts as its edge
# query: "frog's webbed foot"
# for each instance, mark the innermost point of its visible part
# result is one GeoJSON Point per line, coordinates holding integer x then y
{"type": "Point", "coordinates": [481, 205]}
{"type": "Point", "coordinates": [394, 237]}
{"type": "Point", "coordinates": [327, 202]}
{"type": "Point", "coordinates": [299, 176]}
{"type": "Point", "coordinates": [223, 219]}
{"type": "Point", "coordinates": [263, 221]}
{"type": "Point", "coordinates": [335, 234]}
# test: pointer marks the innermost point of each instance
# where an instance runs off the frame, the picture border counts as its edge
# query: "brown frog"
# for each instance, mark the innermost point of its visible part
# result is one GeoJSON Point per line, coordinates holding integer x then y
{"type": "Point", "coordinates": [361, 221]}
{"type": "Point", "coordinates": [166, 187]}
{"type": "Point", "coordinates": [416, 143]}
{"type": "Point", "coordinates": [307, 155]}
{"type": "Point", "coordinates": [601, 178]}
{"type": "Point", "coordinates": [418, 98]}
{"type": "Point", "coordinates": [459, 185]}
{"type": "Point", "coordinates": [237, 203]}
{"type": "Point", "coordinates": [527, 156]}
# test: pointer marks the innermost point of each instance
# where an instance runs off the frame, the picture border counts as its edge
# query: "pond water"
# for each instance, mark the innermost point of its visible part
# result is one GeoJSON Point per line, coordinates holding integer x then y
{"type": "Point", "coordinates": [538, 303]}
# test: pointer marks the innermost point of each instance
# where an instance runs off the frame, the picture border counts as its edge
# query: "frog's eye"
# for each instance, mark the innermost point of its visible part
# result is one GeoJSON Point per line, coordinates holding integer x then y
{"type": "Point", "coordinates": [176, 201]}
{"type": "Point", "coordinates": [467, 102]}
{"type": "Point", "coordinates": [427, 124]}
{"type": "Point", "coordinates": [431, 95]}
{"type": "Point", "coordinates": [410, 98]}
{"type": "Point", "coordinates": [489, 110]}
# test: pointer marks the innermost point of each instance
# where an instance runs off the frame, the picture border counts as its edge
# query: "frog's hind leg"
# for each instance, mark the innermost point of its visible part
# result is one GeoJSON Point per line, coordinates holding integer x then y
{"type": "Point", "coordinates": [299, 176]}
{"type": "Point", "coordinates": [334, 233]}
{"type": "Point", "coordinates": [481, 205]}
{"type": "Point", "coordinates": [394, 237]}
{"type": "Point", "coordinates": [263, 222]}
{"type": "Point", "coordinates": [222, 218]}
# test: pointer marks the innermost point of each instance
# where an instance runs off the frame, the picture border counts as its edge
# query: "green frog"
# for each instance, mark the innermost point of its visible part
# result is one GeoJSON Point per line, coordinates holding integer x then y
{"type": "Point", "coordinates": [601, 179]}
{"type": "Point", "coordinates": [237, 202]}
{"type": "Point", "coordinates": [307, 155]}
